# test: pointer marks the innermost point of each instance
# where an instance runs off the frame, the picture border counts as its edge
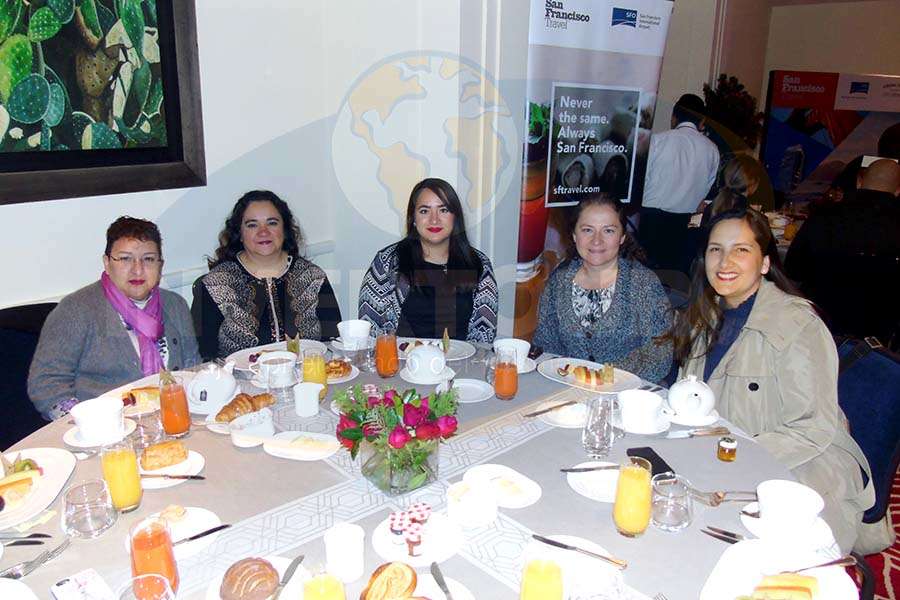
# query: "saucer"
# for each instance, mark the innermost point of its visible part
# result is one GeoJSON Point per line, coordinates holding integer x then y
{"type": "Point", "coordinates": [567, 417]}
{"type": "Point", "coordinates": [529, 366]}
{"type": "Point", "coordinates": [596, 485]}
{"type": "Point", "coordinates": [818, 536]}
{"type": "Point", "coordinates": [13, 589]}
{"type": "Point", "coordinates": [338, 344]}
{"type": "Point", "coordinates": [470, 391]}
{"type": "Point", "coordinates": [427, 587]}
{"type": "Point", "coordinates": [73, 436]}
{"type": "Point", "coordinates": [259, 383]}
{"type": "Point", "coordinates": [441, 539]}
{"type": "Point", "coordinates": [695, 421]}
{"type": "Point", "coordinates": [192, 465]}
{"type": "Point", "coordinates": [511, 488]}
{"type": "Point", "coordinates": [446, 374]}
{"type": "Point", "coordinates": [662, 425]}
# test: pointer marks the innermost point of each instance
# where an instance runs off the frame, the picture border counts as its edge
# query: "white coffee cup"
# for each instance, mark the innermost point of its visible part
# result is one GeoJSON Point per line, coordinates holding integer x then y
{"type": "Point", "coordinates": [306, 398]}
{"type": "Point", "coordinates": [275, 368]}
{"type": "Point", "coordinates": [344, 551]}
{"type": "Point", "coordinates": [521, 347]}
{"type": "Point", "coordinates": [100, 420]}
{"type": "Point", "coordinates": [640, 410]}
{"type": "Point", "coordinates": [788, 507]}
{"type": "Point", "coordinates": [426, 362]}
{"type": "Point", "coordinates": [354, 333]}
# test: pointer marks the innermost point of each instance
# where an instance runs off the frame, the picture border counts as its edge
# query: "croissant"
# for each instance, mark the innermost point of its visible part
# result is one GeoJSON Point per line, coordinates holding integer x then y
{"type": "Point", "coordinates": [243, 404]}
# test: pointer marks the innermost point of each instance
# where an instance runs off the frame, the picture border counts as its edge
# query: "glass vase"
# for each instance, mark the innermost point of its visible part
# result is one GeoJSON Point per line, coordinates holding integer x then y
{"type": "Point", "coordinates": [396, 471]}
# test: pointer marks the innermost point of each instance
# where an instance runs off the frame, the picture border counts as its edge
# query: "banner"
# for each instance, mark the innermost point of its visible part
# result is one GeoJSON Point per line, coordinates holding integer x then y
{"type": "Point", "coordinates": [593, 73]}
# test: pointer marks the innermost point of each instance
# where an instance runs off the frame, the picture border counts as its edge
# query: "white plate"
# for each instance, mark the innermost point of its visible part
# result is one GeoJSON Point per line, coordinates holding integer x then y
{"type": "Point", "coordinates": [354, 373]}
{"type": "Point", "coordinates": [470, 391]}
{"type": "Point", "coordinates": [458, 348]}
{"type": "Point", "coordinates": [338, 344]}
{"type": "Point", "coordinates": [73, 436]}
{"type": "Point", "coordinates": [596, 485]}
{"type": "Point", "coordinates": [572, 416]}
{"type": "Point", "coordinates": [622, 380]}
{"type": "Point", "coordinates": [819, 536]}
{"type": "Point", "coordinates": [742, 566]}
{"type": "Point", "coordinates": [441, 539]}
{"type": "Point", "coordinates": [583, 576]}
{"type": "Point", "coordinates": [241, 358]}
{"type": "Point", "coordinates": [427, 587]}
{"type": "Point", "coordinates": [195, 520]}
{"type": "Point", "coordinates": [192, 465]}
{"type": "Point", "coordinates": [214, 425]}
{"type": "Point", "coordinates": [529, 366]}
{"type": "Point", "coordinates": [692, 421]}
{"type": "Point", "coordinates": [299, 453]}
{"type": "Point", "coordinates": [148, 381]}
{"type": "Point", "coordinates": [293, 590]}
{"type": "Point", "coordinates": [446, 374]}
{"type": "Point", "coordinates": [661, 426]}
{"type": "Point", "coordinates": [58, 465]}
{"type": "Point", "coordinates": [13, 589]}
{"type": "Point", "coordinates": [511, 488]}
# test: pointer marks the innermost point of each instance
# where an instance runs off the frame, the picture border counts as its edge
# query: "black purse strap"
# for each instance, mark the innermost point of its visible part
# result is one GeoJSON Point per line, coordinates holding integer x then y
{"type": "Point", "coordinates": [860, 350]}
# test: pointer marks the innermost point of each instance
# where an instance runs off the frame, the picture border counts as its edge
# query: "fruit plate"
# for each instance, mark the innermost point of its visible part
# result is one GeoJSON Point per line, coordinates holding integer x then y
{"type": "Point", "coordinates": [58, 465]}
{"type": "Point", "coordinates": [622, 380]}
{"type": "Point", "coordinates": [459, 349]}
{"type": "Point", "coordinates": [241, 358]}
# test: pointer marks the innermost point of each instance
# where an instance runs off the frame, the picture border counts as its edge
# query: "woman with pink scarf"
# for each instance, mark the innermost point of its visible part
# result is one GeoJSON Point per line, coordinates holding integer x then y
{"type": "Point", "coordinates": [115, 330]}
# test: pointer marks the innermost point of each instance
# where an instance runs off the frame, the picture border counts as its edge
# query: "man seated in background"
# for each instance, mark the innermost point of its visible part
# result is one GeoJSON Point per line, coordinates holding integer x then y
{"type": "Point", "coordinates": [847, 254]}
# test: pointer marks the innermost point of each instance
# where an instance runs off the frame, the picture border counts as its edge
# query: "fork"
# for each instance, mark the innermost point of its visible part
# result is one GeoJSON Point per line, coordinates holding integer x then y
{"type": "Point", "coordinates": [23, 569]}
{"type": "Point", "coordinates": [660, 596]}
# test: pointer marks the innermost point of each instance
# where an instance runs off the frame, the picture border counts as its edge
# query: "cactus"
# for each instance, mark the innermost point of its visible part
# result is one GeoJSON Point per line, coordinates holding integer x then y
{"type": "Point", "coordinates": [154, 100]}
{"type": "Point", "coordinates": [43, 25]}
{"type": "Point", "coordinates": [75, 125]}
{"type": "Point", "coordinates": [29, 99]}
{"type": "Point", "coordinates": [98, 136]}
{"type": "Point", "coordinates": [15, 63]}
{"type": "Point", "coordinates": [46, 137]}
{"type": "Point", "coordinates": [106, 17]}
{"type": "Point", "coordinates": [137, 95]}
{"type": "Point", "coordinates": [56, 108]}
{"type": "Point", "coordinates": [9, 17]}
{"type": "Point", "coordinates": [132, 18]}
{"type": "Point", "coordinates": [140, 134]}
{"type": "Point", "coordinates": [4, 122]}
{"type": "Point", "coordinates": [89, 23]}
{"type": "Point", "coordinates": [63, 9]}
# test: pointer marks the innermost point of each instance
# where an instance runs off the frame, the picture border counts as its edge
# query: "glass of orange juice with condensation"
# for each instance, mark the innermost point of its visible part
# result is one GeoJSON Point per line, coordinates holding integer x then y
{"type": "Point", "coordinates": [120, 471]}
{"type": "Point", "coordinates": [387, 361]}
{"type": "Point", "coordinates": [314, 370]}
{"type": "Point", "coordinates": [506, 374]}
{"type": "Point", "coordinates": [151, 551]}
{"type": "Point", "coordinates": [323, 586]}
{"type": "Point", "coordinates": [631, 511]}
{"type": "Point", "coordinates": [541, 580]}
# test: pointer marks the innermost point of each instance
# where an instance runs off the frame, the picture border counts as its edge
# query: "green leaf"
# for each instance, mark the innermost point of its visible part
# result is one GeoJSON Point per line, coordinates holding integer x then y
{"type": "Point", "coordinates": [63, 9]}
{"type": "Point", "coordinates": [137, 95]}
{"type": "Point", "coordinates": [56, 108]}
{"type": "Point", "coordinates": [132, 17]}
{"type": "Point", "coordinates": [9, 17]}
{"type": "Point", "coordinates": [46, 137]}
{"type": "Point", "coordinates": [88, 10]}
{"type": "Point", "coordinates": [159, 129]}
{"type": "Point", "coordinates": [154, 99]}
{"type": "Point", "coordinates": [353, 434]}
{"type": "Point", "coordinates": [43, 25]}
{"type": "Point", "coordinates": [416, 481]}
{"type": "Point", "coordinates": [106, 17]}
{"type": "Point", "coordinates": [150, 17]}
{"type": "Point", "coordinates": [99, 136]}
{"type": "Point", "coordinates": [15, 63]}
{"type": "Point", "coordinates": [29, 99]}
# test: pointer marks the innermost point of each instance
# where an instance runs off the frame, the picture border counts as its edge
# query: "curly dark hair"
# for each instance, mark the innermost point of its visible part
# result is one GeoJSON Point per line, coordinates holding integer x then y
{"type": "Point", "coordinates": [230, 236]}
{"type": "Point", "coordinates": [132, 228]}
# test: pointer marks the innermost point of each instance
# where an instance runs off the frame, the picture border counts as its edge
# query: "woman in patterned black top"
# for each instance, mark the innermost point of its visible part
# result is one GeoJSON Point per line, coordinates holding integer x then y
{"type": "Point", "coordinates": [259, 288]}
{"type": "Point", "coordinates": [432, 279]}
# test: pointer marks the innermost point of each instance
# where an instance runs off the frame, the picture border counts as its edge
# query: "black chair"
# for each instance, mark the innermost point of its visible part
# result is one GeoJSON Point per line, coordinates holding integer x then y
{"type": "Point", "coordinates": [20, 327]}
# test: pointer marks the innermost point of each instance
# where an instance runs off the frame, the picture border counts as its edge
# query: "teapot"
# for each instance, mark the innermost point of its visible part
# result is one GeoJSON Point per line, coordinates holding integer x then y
{"type": "Point", "coordinates": [691, 397]}
{"type": "Point", "coordinates": [213, 386]}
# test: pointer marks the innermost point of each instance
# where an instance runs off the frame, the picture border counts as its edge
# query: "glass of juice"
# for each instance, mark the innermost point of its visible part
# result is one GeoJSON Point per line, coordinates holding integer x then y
{"type": "Point", "coordinates": [314, 370]}
{"type": "Point", "coordinates": [323, 586]}
{"type": "Point", "coordinates": [506, 375]}
{"type": "Point", "coordinates": [173, 407]}
{"type": "Point", "coordinates": [541, 580]}
{"type": "Point", "coordinates": [120, 471]}
{"type": "Point", "coordinates": [387, 361]}
{"type": "Point", "coordinates": [631, 511]}
{"type": "Point", "coordinates": [151, 551]}
{"type": "Point", "coordinates": [147, 587]}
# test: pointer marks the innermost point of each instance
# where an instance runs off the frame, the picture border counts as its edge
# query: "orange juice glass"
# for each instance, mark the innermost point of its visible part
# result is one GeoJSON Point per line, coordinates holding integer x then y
{"type": "Point", "coordinates": [541, 580]}
{"type": "Point", "coordinates": [173, 409]}
{"type": "Point", "coordinates": [506, 375]}
{"type": "Point", "coordinates": [387, 361]}
{"type": "Point", "coordinates": [323, 587]}
{"type": "Point", "coordinates": [631, 512]}
{"type": "Point", "coordinates": [120, 471]}
{"type": "Point", "coordinates": [151, 551]}
{"type": "Point", "coordinates": [314, 370]}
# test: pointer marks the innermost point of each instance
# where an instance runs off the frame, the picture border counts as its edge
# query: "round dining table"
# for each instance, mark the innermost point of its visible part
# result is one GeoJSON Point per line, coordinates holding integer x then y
{"type": "Point", "coordinates": [282, 507]}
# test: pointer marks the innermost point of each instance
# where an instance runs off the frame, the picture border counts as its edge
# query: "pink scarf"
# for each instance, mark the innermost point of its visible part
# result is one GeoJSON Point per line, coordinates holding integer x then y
{"type": "Point", "coordinates": [147, 322]}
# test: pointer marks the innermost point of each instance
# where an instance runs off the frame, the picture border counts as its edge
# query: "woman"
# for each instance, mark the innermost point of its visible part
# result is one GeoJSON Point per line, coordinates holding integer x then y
{"type": "Point", "coordinates": [738, 181]}
{"type": "Point", "coordinates": [602, 304]}
{"type": "Point", "coordinates": [432, 279]}
{"type": "Point", "coordinates": [259, 288]}
{"type": "Point", "coordinates": [772, 365]}
{"type": "Point", "coordinates": [113, 331]}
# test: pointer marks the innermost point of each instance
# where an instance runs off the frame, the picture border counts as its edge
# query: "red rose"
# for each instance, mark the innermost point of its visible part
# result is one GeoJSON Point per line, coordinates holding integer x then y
{"type": "Point", "coordinates": [447, 425]}
{"type": "Point", "coordinates": [399, 437]}
{"type": "Point", "coordinates": [428, 431]}
{"type": "Point", "coordinates": [413, 416]}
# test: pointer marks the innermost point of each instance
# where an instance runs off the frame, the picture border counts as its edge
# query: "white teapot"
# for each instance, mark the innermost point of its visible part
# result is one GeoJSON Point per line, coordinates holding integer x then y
{"type": "Point", "coordinates": [691, 397]}
{"type": "Point", "coordinates": [213, 386]}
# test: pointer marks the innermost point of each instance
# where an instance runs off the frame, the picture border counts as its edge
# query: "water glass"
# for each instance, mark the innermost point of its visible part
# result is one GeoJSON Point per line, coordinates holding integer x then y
{"type": "Point", "coordinates": [147, 587]}
{"type": "Point", "coordinates": [597, 435]}
{"type": "Point", "coordinates": [672, 507]}
{"type": "Point", "coordinates": [148, 431]}
{"type": "Point", "coordinates": [88, 509]}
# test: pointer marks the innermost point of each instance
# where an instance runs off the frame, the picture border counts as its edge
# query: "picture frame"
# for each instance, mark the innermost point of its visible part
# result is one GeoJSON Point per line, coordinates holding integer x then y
{"type": "Point", "coordinates": [51, 175]}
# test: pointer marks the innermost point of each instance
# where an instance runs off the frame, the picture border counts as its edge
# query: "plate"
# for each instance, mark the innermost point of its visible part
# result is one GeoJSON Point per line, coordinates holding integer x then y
{"type": "Point", "coordinates": [572, 416]}
{"type": "Point", "coordinates": [441, 539]}
{"type": "Point", "coordinates": [596, 485]}
{"type": "Point", "coordinates": [583, 576]}
{"type": "Point", "coordinates": [241, 358]}
{"type": "Point", "coordinates": [661, 426]}
{"type": "Point", "coordinates": [58, 465]}
{"type": "Point", "coordinates": [427, 587]}
{"type": "Point", "coordinates": [470, 391]}
{"type": "Point", "coordinates": [529, 366]}
{"type": "Point", "coordinates": [459, 349]}
{"type": "Point", "coordinates": [742, 566]}
{"type": "Point", "coordinates": [73, 437]}
{"type": "Point", "coordinates": [214, 425]}
{"type": "Point", "coordinates": [260, 384]}
{"type": "Point", "coordinates": [148, 381]}
{"type": "Point", "coordinates": [294, 588]}
{"type": "Point", "coordinates": [13, 589]}
{"type": "Point", "coordinates": [703, 421]}
{"type": "Point", "coordinates": [354, 373]}
{"type": "Point", "coordinates": [446, 374]}
{"type": "Point", "coordinates": [622, 380]}
{"type": "Point", "coordinates": [338, 344]}
{"type": "Point", "coordinates": [301, 453]}
{"type": "Point", "coordinates": [192, 465]}
{"type": "Point", "coordinates": [195, 520]}
{"type": "Point", "coordinates": [818, 537]}
{"type": "Point", "coordinates": [511, 488]}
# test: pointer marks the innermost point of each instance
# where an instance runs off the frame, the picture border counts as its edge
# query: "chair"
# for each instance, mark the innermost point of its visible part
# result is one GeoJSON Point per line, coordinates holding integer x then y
{"type": "Point", "coordinates": [20, 327]}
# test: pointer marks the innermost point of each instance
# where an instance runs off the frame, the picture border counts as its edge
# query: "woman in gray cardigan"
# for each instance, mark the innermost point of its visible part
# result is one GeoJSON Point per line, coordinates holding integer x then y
{"type": "Point", "coordinates": [113, 331]}
{"type": "Point", "coordinates": [602, 305]}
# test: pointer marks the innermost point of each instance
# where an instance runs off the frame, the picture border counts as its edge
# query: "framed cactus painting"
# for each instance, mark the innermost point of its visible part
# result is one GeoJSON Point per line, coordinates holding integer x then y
{"type": "Point", "coordinates": [98, 97]}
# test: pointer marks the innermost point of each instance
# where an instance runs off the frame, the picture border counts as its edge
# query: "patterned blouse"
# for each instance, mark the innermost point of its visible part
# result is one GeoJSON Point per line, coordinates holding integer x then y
{"type": "Point", "coordinates": [589, 305]}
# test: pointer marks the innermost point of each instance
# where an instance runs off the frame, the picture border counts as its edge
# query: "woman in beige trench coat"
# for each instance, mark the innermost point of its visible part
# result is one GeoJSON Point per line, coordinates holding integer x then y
{"type": "Point", "coordinates": [776, 375]}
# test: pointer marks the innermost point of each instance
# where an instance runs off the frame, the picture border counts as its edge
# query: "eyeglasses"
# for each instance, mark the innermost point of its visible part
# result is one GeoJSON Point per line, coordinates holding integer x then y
{"type": "Point", "coordinates": [149, 261]}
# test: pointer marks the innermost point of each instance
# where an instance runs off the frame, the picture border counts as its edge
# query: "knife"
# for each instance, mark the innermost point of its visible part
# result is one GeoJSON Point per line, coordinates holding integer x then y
{"type": "Point", "coordinates": [613, 561]}
{"type": "Point", "coordinates": [197, 536]}
{"type": "Point", "coordinates": [287, 576]}
{"type": "Point", "coordinates": [24, 536]}
{"type": "Point", "coordinates": [439, 578]}
{"type": "Point", "coordinates": [689, 433]}
{"type": "Point", "coordinates": [720, 536]}
{"type": "Point", "coordinates": [550, 408]}
{"type": "Point", "coordinates": [589, 469]}
{"type": "Point", "coordinates": [22, 543]}
{"type": "Point", "coordinates": [162, 476]}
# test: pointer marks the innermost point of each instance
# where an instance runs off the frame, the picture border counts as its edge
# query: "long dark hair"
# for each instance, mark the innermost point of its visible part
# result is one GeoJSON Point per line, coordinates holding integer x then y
{"type": "Point", "coordinates": [230, 236]}
{"type": "Point", "coordinates": [702, 319]}
{"type": "Point", "coordinates": [462, 260]}
{"type": "Point", "coordinates": [740, 174]}
{"type": "Point", "coordinates": [630, 248]}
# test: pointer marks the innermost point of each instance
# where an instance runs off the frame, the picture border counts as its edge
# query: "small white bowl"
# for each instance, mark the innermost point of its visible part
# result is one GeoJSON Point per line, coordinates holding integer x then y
{"type": "Point", "coordinates": [247, 428]}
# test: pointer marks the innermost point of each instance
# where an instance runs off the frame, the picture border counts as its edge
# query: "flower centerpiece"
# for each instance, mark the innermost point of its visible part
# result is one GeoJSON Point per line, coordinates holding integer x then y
{"type": "Point", "coordinates": [397, 433]}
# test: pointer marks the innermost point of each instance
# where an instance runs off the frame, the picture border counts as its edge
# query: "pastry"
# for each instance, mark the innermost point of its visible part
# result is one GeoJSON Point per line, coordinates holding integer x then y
{"type": "Point", "coordinates": [163, 454]}
{"type": "Point", "coordinates": [173, 513]}
{"type": "Point", "coordinates": [787, 586]}
{"type": "Point", "coordinates": [337, 368]}
{"type": "Point", "coordinates": [249, 579]}
{"type": "Point", "coordinates": [16, 487]}
{"type": "Point", "coordinates": [243, 404]}
{"type": "Point", "coordinates": [594, 377]}
{"type": "Point", "coordinates": [143, 397]}
{"type": "Point", "coordinates": [390, 581]}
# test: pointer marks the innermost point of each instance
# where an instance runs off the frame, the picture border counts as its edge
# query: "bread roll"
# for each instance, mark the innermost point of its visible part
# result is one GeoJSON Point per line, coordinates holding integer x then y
{"type": "Point", "coordinates": [390, 581]}
{"type": "Point", "coordinates": [163, 454]}
{"type": "Point", "coordinates": [249, 579]}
